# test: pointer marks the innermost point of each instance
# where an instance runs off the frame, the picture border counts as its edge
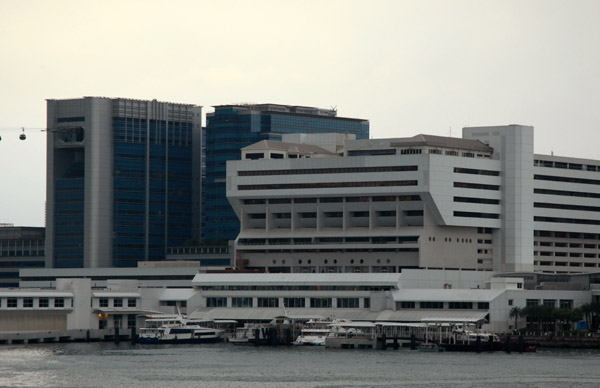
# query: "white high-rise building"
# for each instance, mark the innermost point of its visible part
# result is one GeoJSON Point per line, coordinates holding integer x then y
{"type": "Point", "coordinates": [481, 202]}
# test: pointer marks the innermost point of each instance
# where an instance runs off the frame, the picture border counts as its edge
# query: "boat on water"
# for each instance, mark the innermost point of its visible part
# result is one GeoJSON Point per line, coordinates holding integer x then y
{"type": "Point", "coordinates": [177, 329]}
{"type": "Point", "coordinates": [464, 340]}
{"type": "Point", "coordinates": [313, 333]}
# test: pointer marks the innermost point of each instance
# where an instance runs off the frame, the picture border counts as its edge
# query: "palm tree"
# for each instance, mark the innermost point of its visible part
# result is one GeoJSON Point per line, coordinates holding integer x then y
{"type": "Point", "coordinates": [515, 313]}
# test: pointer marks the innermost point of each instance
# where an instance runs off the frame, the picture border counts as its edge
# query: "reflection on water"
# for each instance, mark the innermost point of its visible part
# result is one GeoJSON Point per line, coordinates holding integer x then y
{"type": "Point", "coordinates": [226, 366]}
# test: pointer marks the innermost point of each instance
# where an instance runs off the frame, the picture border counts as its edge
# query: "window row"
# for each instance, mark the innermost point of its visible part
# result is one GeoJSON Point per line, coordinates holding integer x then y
{"type": "Point", "coordinates": [562, 303]}
{"type": "Point", "coordinates": [37, 302]}
{"type": "Point", "coordinates": [438, 305]}
{"type": "Point", "coordinates": [116, 302]}
{"type": "Point", "coordinates": [312, 171]}
{"type": "Point", "coordinates": [293, 302]}
{"type": "Point", "coordinates": [327, 185]}
{"type": "Point", "coordinates": [565, 165]}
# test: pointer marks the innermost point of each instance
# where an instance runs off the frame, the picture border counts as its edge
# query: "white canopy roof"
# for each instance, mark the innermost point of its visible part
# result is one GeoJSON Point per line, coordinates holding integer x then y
{"type": "Point", "coordinates": [115, 294]}
{"type": "Point", "coordinates": [446, 295]}
{"type": "Point", "coordinates": [305, 279]}
{"type": "Point", "coordinates": [35, 294]}
{"type": "Point", "coordinates": [170, 294]}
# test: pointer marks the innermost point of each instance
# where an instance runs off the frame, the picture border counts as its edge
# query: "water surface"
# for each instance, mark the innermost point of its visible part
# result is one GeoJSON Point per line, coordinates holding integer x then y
{"type": "Point", "coordinates": [227, 366]}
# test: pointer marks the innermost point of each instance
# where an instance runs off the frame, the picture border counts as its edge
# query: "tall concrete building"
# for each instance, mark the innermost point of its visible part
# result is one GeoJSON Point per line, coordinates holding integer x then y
{"type": "Point", "coordinates": [232, 127]}
{"type": "Point", "coordinates": [123, 180]}
{"type": "Point", "coordinates": [481, 202]}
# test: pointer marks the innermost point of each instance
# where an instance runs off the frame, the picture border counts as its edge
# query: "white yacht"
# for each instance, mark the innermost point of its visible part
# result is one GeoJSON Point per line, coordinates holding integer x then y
{"type": "Point", "coordinates": [175, 329]}
{"type": "Point", "coordinates": [313, 333]}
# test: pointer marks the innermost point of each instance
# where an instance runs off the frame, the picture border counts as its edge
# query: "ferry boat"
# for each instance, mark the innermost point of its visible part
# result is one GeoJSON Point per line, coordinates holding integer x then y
{"type": "Point", "coordinates": [313, 333]}
{"type": "Point", "coordinates": [177, 329]}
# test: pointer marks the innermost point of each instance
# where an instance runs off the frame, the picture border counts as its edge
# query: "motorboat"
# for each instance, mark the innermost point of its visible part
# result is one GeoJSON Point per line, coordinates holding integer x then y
{"type": "Point", "coordinates": [313, 333]}
{"type": "Point", "coordinates": [176, 329]}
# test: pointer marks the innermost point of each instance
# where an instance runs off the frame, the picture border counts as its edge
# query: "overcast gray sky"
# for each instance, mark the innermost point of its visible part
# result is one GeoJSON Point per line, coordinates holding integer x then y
{"type": "Point", "coordinates": [407, 66]}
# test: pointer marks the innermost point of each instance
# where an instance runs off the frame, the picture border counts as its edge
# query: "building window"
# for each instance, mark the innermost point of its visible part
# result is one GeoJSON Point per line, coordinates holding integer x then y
{"type": "Point", "coordinates": [367, 303]}
{"type": "Point", "coordinates": [320, 302]}
{"type": "Point", "coordinates": [510, 302]}
{"type": "Point", "coordinates": [103, 302]}
{"type": "Point", "coordinates": [483, 305]}
{"type": "Point", "coordinates": [131, 321]}
{"type": "Point", "coordinates": [59, 302]}
{"type": "Point", "coordinates": [431, 305]}
{"type": "Point", "coordinates": [241, 302]}
{"type": "Point", "coordinates": [216, 302]}
{"type": "Point", "coordinates": [268, 302]}
{"type": "Point", "coordinates": [44, 302]}
{"type": "Point", "coordinates": [566, 304]}
{"type": "Point", "coordinates": [549, 302]}
{"type": "Point", "coordinates": [347, 303]}
{"type": "Point", "coordinates": [131, 302]}
{"type": "Point", "coordinates": [407, 305]}
{"type": "Point", "coordinates": [11, 303]}
{"type": "Point", "coordinates": [532, 302]}
{"type": "Point", "coordinates": [118, 302]}
{"type": "Point", "coordinates": [294, 302]}
{"type": "Point", "coordinates": [28, 303]}
{"type": "Point", "coordinates": [460, 305]}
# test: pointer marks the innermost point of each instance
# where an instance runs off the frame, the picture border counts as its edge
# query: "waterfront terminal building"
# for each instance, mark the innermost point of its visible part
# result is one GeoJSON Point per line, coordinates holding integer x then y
{"type": "Point", "coordinates": [483, 202]}
{"type": "Point", "coordinates": [78, 307]}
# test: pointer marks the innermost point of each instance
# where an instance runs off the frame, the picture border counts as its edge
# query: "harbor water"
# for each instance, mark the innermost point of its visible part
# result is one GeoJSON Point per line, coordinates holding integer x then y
{"type": "Point", "coordinates": [226, 366]}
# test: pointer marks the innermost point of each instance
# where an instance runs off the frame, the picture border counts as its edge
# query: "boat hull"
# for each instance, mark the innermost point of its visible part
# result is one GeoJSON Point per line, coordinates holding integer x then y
{"type": "Point", "coordinates": [167, 341]}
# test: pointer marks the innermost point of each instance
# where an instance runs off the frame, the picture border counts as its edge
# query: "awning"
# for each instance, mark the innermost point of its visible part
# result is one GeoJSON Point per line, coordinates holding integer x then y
{"type": "Point", "coordinates": [429, 316]}
{"type": "Point", "coordinates": [268, 314]}
{"type": "Point", "coordinates": [123, 311]}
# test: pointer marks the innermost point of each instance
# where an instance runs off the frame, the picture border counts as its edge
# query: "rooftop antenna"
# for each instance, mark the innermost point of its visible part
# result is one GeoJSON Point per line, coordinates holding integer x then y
{"type": "Point", "coordinates": [450, 131]}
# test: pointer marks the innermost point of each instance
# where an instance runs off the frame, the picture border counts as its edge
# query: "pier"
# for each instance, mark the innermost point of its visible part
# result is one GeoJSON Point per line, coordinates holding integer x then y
{"type": "Point", "coordinates": [49, 336]}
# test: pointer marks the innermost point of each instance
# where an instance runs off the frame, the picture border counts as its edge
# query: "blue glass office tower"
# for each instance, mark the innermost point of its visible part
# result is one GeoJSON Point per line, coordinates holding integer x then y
{"type": "Point", "coordinates": [232, 127]}
{"type": "Point", "coordinates": [123, 180]}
